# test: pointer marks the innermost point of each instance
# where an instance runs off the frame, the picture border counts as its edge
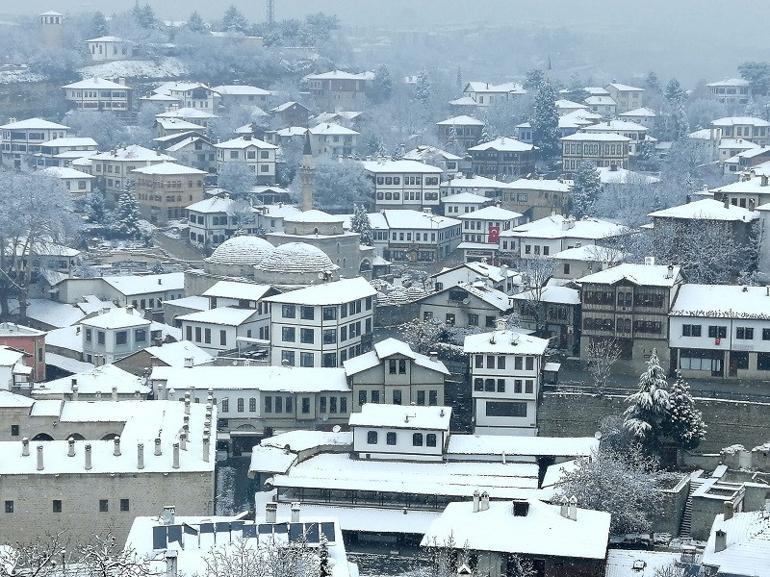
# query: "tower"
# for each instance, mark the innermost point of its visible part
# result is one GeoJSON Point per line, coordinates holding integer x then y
{"type": "Point", "coordinates": [270, 12]}
{"type": "Point", "coordinates": [306, 174]}
{"type": "Point", "coordinates": [51, 26]}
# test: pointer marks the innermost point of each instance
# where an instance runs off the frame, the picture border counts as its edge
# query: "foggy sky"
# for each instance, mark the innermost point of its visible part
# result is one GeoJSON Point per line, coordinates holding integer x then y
{"type": "Point", "coordinates": [701, 38]}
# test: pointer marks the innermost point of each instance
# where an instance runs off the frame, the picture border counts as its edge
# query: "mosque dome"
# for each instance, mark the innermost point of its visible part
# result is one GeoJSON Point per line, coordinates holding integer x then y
{"type": "Point", "coordinates": [242, 250]}
{"type": "Point", "coordinates": [297, 257]}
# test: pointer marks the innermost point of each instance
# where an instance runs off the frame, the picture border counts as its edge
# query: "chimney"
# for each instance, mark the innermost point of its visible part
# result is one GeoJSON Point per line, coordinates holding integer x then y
{"type": "Point", "coordinates": [140, 455]}
{"type": "Point", "coordinates": [40, 457]}
{"type": "Point", "coordinates": [670, 271]}
{"type": "Point", "coordinates": [183, 441]}
{"type": "Point", "coordinates": [74, 390]}
{"type": "Point", "coordinates": [572, 509]}
{"type": "Point", "coordinates": [206, 448]}
{"type": "Point", "coordinates": [720, 541]}
{"type": "Point", "coordinates": [175, 462]}
{"type": "Point", "coordinates": [727, 202]}
{"type": "Point", "coordinates": [168, 514]}
{"type": "Point", "coordinates": [88, 457]}
{"type": "Point", "coordinates": [476, 501]}
{"type": "Point", "coordinates": [295, 512]}
{"type": "Point", "coordinates": [71, 447]}
{"type": "Point", "coordinates": [763, 180]}
{"type": "Point", "coordinates": [433, 356]}
{"type": "Point", "coordinates": [98, 395]}
{"type": "Point", "coordinates": [116, 448]}
{"type": "Point", "coordinates": [171, 394]}
{"type": "Point", "coordinates": [157, 446]}
{"type": "Point", "coordinates": [564, 508]}
{"type": "Point", "coordinates": [171, 563]}
{"type": "Point", "coordinates": [270, 512]}
{"type": "Point", "coordinates": [728, 509]}
{"type": "Point", "coordinates": [25, 447]}
{"type": "Point", "coordinates": [114, 393]}
{"type": "Point", "coordinates": [188, 362]}
{"type": "Point", "coordinates": [520, 508]}
{"type": "Point", "coordinates": [484, 503]}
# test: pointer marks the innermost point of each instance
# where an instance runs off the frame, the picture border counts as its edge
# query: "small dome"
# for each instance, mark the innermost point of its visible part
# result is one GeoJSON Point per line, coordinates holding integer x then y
{"type": "Point", "coordinates": [297, 257]}
{"type": "Point", "coordinates": [242, 250]}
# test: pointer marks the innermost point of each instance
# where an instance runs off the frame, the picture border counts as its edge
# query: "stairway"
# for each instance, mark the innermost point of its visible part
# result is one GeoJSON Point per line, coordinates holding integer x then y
{"type": "Point", "coordinates": [695, 482]}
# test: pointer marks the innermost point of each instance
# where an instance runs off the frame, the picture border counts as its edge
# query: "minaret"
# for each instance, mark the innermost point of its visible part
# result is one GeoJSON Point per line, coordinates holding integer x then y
{"type": "Point", "coordinates": [306, 174]}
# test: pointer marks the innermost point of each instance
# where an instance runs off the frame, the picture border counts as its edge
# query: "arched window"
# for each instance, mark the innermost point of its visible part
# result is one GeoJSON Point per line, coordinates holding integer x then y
{"type": "Point", "coordinates": [76, 437]}
{"type": "Point", "coordinates": [42, 437]}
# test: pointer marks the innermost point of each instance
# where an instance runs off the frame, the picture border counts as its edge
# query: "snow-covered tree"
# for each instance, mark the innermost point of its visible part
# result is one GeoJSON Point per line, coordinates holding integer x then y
{"type": "Point", "coordinates": [99, 26]}
{"type": "Point", "coordinates": [360, 224]}
{"type": "Point", "coordinates": [195, 23]}
{"type": "Point", "coordinates": [234, 21]}
{"type": "Point", "coordinates": [127, 216]}
{"type": "Point", "coordinates": [545, 122]}
{"type": "Point", "coordinates": [585, 191]}
{"type": "Point", "coordinates": [422, 334]}
{"type": "Point", "coordinates": [685, 422]}
{"type": "Point", "coordinates": [382, 85]}
{"type": "Point", "coordinates": [236, 177]}
{"type": "Point", "coordinates": [324, 570]}
{"type": "Point", "coordinates": [674, 93]}
{"type": "Point", "coordinates": [95, 208]}
{"type": "Point", "coordinates": [758, 74]}
{"type": "Point", "coordinates": [144, 16]}
{"type": "Point", "coordinates": [246, 557]}
{"type": "Point", "coordinates": [535, 79]}
{"type": "Point", "coordinates": [602, 356]}
{"type": "Point", "coordinates": [651, 82]}
{"type": "Point", "coordinates": [620, 482]}
{"type": "Point", "coordinates": [648, 410]}
{"type": "Point", "coordinates": [679, 126]}
{"type": "Point", "coordinates": [340, 185]}
{"type": "Point", "coordinates": [422, 88]}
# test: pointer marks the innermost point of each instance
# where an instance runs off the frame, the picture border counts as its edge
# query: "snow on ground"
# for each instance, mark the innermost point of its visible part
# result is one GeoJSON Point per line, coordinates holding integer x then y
{"type": "Point", "coordinates": [18, 76]}
{"type": "Point", "coordinates": [164, 68]}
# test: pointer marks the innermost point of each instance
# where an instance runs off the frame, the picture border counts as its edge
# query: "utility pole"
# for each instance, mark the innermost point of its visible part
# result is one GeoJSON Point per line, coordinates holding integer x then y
{"type": "Point", "coordinates": [270, 12]}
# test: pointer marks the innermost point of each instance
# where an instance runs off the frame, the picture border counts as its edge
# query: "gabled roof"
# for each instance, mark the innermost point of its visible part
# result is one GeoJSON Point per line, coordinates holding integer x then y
{"type": "Point", "coordinates": [238, 290]}
{"type": "Point", "coordinates": [747, 549]}
{"type": "Point", "coordinates": [133, 153]}
{"type": "Point", "coordinates": [96, 84]}
{"type": "Point", "coordinates": [33, 123]}
{"type": "Point", "coordinates": [505, 342]}
{"type": "Point", "coordinates": [341, 75]}
{"type": "Point", "coordinates": [638, 274]}
{"type": "Point", "coordinates": [539, 184]}
{"type": "Point", "coordinates": [146, 284]}
{"type": "Point", "coordinates": [388, 348]}
{"type": "Point", "coordinates": [386, 165]}
{"type": "Point", "coordinates": [550, 294]}
{"type": "Point", "coordinates": [624, 87]}
{"type": "Point", "coordinates": [117, 318]}
{"type": "Point", "coordinates": [600, 100]}
{"type": "Point", "coordinates": [619, 175]}
{"type": "Point", "coordinates": [414, 219]}
{"type": "Point", "coordinates": [558, 226]}
{"type": "Point", "coordinates": [227, 316]}
{"type": "Point", "coordinates": [332, 293]}
{"type": "Point", "coordinates": [177, 124]}
{"type": "Point", "coordinates": [504, 144]}
{"type": "Point", "coordinates": [106, 39]}
{"type": "Point", "coordinates": [72, 141]}
{"type": "Point", "coordinates": [242, 143]}
{"type": "Point", "coordinates": [739, 120]}
{"type": "Point", "coordinates": [400, 417]}
{"type": "Point", "coordinates": [465, 198]}
{"type": "Point", "coordinates": [241, 90]}
{"type": "Point", "coordinates": [490, 213]}
{"type": "Point", "coordinates": [462, 120]}
{"type": "Point", "coordinates": [66, 173]}
{"type": "Point", "coordinates": [639, 112]}
{"type": "Point", "coordinates": [332, 129]}
{"type": "Point", "coordinates": [706, 209]}
{"type": "Point", "coordinates": [168, 168]}
{"type": "Point", "coordinates": [730, 82]}
{"type": "Point", "coordinates": [722, 301]}
{"type": "Point", "coordinates": [424, 152]}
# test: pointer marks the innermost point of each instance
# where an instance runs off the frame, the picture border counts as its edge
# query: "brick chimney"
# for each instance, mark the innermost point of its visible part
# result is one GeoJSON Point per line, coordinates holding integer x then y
{"type": "Point", "coordinates": [71, 447]}
{"type": "Point", "coordinates": [720, 541]}
{"type": "Point", "coordinates": [88, 457]}
{"type": "Point", "coordinates": [40, 457]}
{"type": "Point", "coordinates": [140, 456]}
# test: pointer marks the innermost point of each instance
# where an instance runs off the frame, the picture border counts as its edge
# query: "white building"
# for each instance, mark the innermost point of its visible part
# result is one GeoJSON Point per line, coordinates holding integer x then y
{"type": "Point", "coordinates": [486, 94]}
{"type": "Point", "coordinates": [627, 97]}
{"type": "Point", "coordinates": [502, 278]}
{"type": "Point", "coordinates": [114, 169]}
{"type": "Point", "coordinates": [224, 329]}
{"type": "Point", "coordinates": [393, 432]}
{"type": "Point", "coordinates": [21, 139]}
{"type": "Point", "coordinates": [113, 335]}
{"type": "Point", "coordinates": [506, 372]}
{"type": "Point", "coordinates": [333, 140]}
{"type": "Point", "coordinates": [242, 95]}
{"type": "Point", "coordinates": [99, 94]}
{"type": "Point", "coordinates": [446, 161]}
{"type": "Point", "coordinates": [191, 95]}
{"type": "Point", "coordinates": [757, 130]}
{"type": "Point", "coordinates": [213, 220]}
{"type": "Point", "coordinates": [76, 182]}
{"type": "Point", "coordinates": [636, 133]}
{"type": "Point", "coordinates": [475, 184]}
{"type": "Point", "coordinates": [644, 116]}
{"type": "Point", "coordinates": [603, 105]}
{"type": "Point", "coordinates": [322, 325]}
{"type": "Point", "coordinates": [106, 48]}
{"type": "Point", "coordinates": [404, 183]}
{"type": "Point", "coordinates": [482, 229]}
{"type": "Point", "coordinates": [730, 91]}
{"type": "Point", "coordinates": [63, 151]}
{"type": "Point", "coordinates": [15, 375]}
{"type": "Point", "coordinates": [106, 382]}
{"type": "Point", "coordinates": [413, 236]}
{"type": "Point", "coordinates": [257, 154]}
{"type": "Point", "coordinates": [737, 545]}
{"type": "Point", "coordinates": [463, 203]}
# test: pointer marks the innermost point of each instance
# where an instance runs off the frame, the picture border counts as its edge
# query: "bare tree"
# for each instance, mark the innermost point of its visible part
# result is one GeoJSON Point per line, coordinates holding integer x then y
{"type": "Point", "coordinates": [247, 558]}
{"type": "Point", "coordinates": [104, 557]}
{"type": "Point", "coordinates": [535, 273]}
{"type": "Point", "coordinates": [602, 355]}
{"type": "Point", "coordinates": [41, 558]}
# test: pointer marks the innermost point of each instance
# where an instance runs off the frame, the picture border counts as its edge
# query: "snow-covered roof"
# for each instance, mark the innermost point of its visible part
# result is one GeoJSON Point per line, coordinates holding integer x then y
{"type": "Point", "coordinates": [241, 250]}
{"type": "Point", "coordinates": [52, 313]}
{"type": "Point", "coordinates": [100, 379]}
{"type": "Point", "coordinates": [66, 173]}
{"type": "Point", "coordinates": [463, 101]}
{"type": "Point", "coordinates": [133, 153]}
{"type": "Point", "coordinates": [550, 294]}
{"type": "Point", "coordinates": [168, 169]}
{"type": "Point", "coordinates": [33, 124]}
{"type": "Point", "coordinates": [751, 186]}
{"type": "Point", "coordinates": [337, 292]}
{"type": "Point", "coordinates": [736, 144]}
{"type": "Point", "coordinates": [186, 113]}
{"type": "Point", "coordinates": [618, 175]}
{"type": "Point", "coordinates": [424, 152]}
{"type": "Point", "coordinates": [237, 290]}
{"type": "Point", "coordinates": [384, 165]}
{"type": "Point", "coordinates": [314, 216]}
{"type": "Point", "coordinates": [146, 284]}
{"type": "Point", "coordinates": [739, 120]}
{"type": "Point", "coordinates": [265, 459]}
{"type": "Point", "coordinates": [596, 137]}
{"type": "Point", "coordinates": [475, 181]}
{"type": "Point", "coordinates": [462, 120]}
{"type": "Point", "coordinates": [117, 318]}
{"type": "Point", "coordinates": [106, 39]}
{"type": "Point", "coordinates": [8, 329]}
{"type": "Point", "coordinates": [722, 301]}
{"type": "Point", "coordinates": [465, 198]}
{"type": "Point", "coordinates": [639, 112]}
{"type": "Point", "coordinates": [479, 268]}
{"type": "Point", "coordinates": [639, 563]}
{"type": "Point", "coordinates": [704, 134]}
{"type": "Point", "coordinates": [600, 100]}
{"type": "Point", "coordinates": [176, 354]}
{"type": "Point", "coordinates": [191, 139]}
{"type": "Point", "coordinates": [9, 400]}
{"type": "Point", "coordinates": [563, 103]}
{"type": "Point", "coordinates": [707, 209]}
{"type": "Point", "coordinates": [245, 142]}
{"type": "Point", "coordinates": [340, 75]}
{"type": "Point", "coordinates": [639, 274]}
{"type": "Point", "coordinates": [303, 440]}
{"type": "Point", "coordinates": [541, 531]}
{"type": "Point", "coordinates": [730, 82]}
{"type": "Point", "coordinates": [400, 417]}
{"type": "Point", "coordinates": [413, 219]}
{"type": "Point", "coordinates": [330, 128]}
{"type": "Point", "coordinates": [479, 289]}
{"type": "Point", "coordinates": [178, 124]}
{"type": "Point", "coordinates": [286, 106]}
{"type": "Point", "coordinates": [490, 213]}
{"type": "Point", "coordinates": [504, 144]}
{"type": "Point", "coordinates": [72, 141]}
{"type": "Point", "coordinates": [748, 545]}
{"type": "Point", "coordinates": [241, 90]}
{"type": "Point", "coordinates": [559, 226]}
{"type": "Point", "coordinates": [9, 356]}
{"type": "Point", "coordinates": [590, 253]}
{"type": "Point", "coordinates": [193, 302]}
{"type": "Point", "coordinates": [387, 348]}
{"type": "Point", "coordinates": [96, 84]}
{"type": "Point", "coordinates": [624, 87]}
{"type": "Point", "coordinates": [296, 257]}
{"type": "Point", "coordinates": [616, 125]}
{"type": "Point", "coordinates": [521, 446]}
{"type": "Point", "coordinates": [225, 316]}
{"type": "Point", "coordinates": [505, 342]}
{"type": "Point", "coordinates": [263, 378]}
{"type": "Point", "coordinates": [487, 87]}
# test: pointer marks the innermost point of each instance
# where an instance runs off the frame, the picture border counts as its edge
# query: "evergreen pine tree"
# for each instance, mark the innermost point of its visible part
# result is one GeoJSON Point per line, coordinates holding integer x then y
{"type": "Point", "coordinates": [99, 25]}
{"type": "Point", "coordinates": [96, 211]}
{"type": "Point", "coordinates": [382, 85]}
{"type": "Point", "coordinates": [422, 88]}
{"type": "Point", "coordinates": [144, 15]}
{"type": "Point", "coordinates": [534, 80]}
{"type": "Point", "coordinates": [648, 410]}
{"type": "Point", "coordinates": [234, 21]}
{"type": "Point", "coordinates": [679, 124]}
{"type": "Point", "coordinates": [545, 124]}
{"type": "Point", "coordinates": [196, 23]}
{"type": "Point", "coordinates": [485, 137]}
{"type": "Point", "coordinates": [674, 93]}
{"type": "Point", "coordinates": [685, 422]}
{"type": "Point", "coordinates": [360, 224]}
{"type": "Point", "coordinates": [127, 216]}
{"type": "Point", "coordinates": [459, 80]}
{"type": "Point", "coordinates": [585, 189]}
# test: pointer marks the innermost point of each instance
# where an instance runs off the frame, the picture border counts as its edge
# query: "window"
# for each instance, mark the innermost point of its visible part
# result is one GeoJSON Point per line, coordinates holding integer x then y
{"type": "Point", "coordinates": [197, 334]}
{"type": "Point", "coordinates": [241, 405]}
{"type": "Point", "coordinates": [740, 359]}
{"type": "Point", "coordinates": [517, 362]}
{"type": "Point", "coordinates": [288, 334]}
{"type": "Point", "coordinates": [371, 437]}
{"type": "Point", "coordinates": [763, 361]}
{"type": "Point", "coordinates": [501, 362]}
{"type": "Point", "coordinates": [125, 505]}
{"type": "Point", "coordinates": [402, 366]}
{"type": "Point", "coordinates": [397, 397]}
{"type": "Point", "coordinates": [104, 505]}
{"type": "Point", "coordinates": [207, 336]}
{"type": "Point", "coordinates": [14, 430]}
{"type": "Point", "coordinates": [473, 320]}
{"type": "Point", "coordinates": [307, 313]}
{"type": "Point", "coordinates": [530, 363]}
{"type": "Point", "coordinates": [744, 333]}
{"type": "Point", "coordinates": [329, 360]}
{"type": "Point", "coordinates": [305, 405]}
{"type": "Point", "coordinates": [140, 335]}
{"type": "Point", "coordinates": [307, 336]}
{"type": "Point", "coordinates": [361, 397]}
{"type": "Point", "coordinates": [330, 336]}
{"type": "Point", "coordinates": [717, 332]}
{"type": "Point", "coordinates": [330, 313]}
{"type": "Point", "coordinates": [375, 396]}
{"type": "Point", "coordinates": [392, 364]}
{"type": "Point", "coordinates": [490, 321]}
{"type": "Point", "coordinates": [9, 506]}
{"type": "Point", "coordinates": [479, 361]}
{"type": "Point", "coordinates": [691, 330]}
{"type": "Point", "coordinates": [88, 335]}
{"type": "Point", "coordinates": [766, 334]}
{"type": "Point", "coordinates": [500, 385]}
{"type": "Point", "coordinates": [432, 398]}
{"type": "Point", "coordinates": [505, 409]}
{"type": "Point", "coordinates": [478, 384]}
{"type": "Point", "coordinates": [252, 405]}
{"type": "Point", "coordinates": [223, 338]}
{"type": "Point", "coordinates": [421, 398]}
{"type": "Point", "coordinates": [57, 505]}
{"type": "Point", "coordinates": [306, 359]}
{"type": "Point", "coordinates": [529, 386]}
{"type": "Point", "coordinates": [225, 405]}
{"type": "Point", "coordinates": [288, 311]}
{"type": "Point", "coordinates": [287, 358]}
{"type": "Point", "coordinates": [390, 438]}
{"type": "Point", "coordinates": [417, 439]}
{"type": "Point", "coordinates": [268, 404]}
{"type": "Point", "coordinates": [430, 439]}
{"type": "Point", "coordinates": [100, 337]}
{"type": "Point", "coordinates": [489, 385]}
{"type": "Point", "coordinates": [490, 361]}
{"type": "Point", "coordinates": [279, 404]}
{"type": "Point", "coordinates": [450, 319]}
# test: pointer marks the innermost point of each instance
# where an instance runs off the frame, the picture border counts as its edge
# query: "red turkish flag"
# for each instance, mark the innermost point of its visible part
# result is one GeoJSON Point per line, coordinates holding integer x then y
{"type": "Point", "coordinates": [493, 235]}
